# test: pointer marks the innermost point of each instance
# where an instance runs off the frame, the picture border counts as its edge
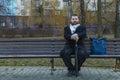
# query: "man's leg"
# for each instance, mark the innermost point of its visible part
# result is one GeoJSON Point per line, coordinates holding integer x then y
{"type": "Point", "coordinates": [66, 56]}
{"type": "Point", "coordinates": [82, 55]}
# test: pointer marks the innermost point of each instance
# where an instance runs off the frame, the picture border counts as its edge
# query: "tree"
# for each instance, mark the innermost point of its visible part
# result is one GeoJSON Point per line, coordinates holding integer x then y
{"type": "Point", "coordinates": [70, 10]}
{"type": "Point", "coordinates": [82, 12]}
{"type": "Point", "coordinates": [117, 28]}
{"type": "Point", "coordinates": [100, 27]}
{"type": "Point", "coordinates": [3, 8]}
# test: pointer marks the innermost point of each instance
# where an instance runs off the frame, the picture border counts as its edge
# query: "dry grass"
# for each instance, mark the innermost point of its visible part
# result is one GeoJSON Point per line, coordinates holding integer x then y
{"type": "Point", "coordinates": [106, 63]}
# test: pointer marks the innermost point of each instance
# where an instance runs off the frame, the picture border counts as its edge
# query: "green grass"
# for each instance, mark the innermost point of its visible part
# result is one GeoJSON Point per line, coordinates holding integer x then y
{"type": "Point", "coordinates": [105, 63]}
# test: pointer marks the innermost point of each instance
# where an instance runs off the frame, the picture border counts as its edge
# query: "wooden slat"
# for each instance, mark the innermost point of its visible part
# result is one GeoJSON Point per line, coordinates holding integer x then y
{"type": "Point", "coordinates": [48, 47]}
{"type": "Point", "coordinates": [55, 56]}
{"type": "Point", "coordinates": [26, 43]}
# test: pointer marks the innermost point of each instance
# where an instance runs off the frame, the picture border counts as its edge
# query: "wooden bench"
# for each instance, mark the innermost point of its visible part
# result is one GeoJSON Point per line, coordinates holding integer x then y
{"type": "Point", "coordinates": [50, 48]}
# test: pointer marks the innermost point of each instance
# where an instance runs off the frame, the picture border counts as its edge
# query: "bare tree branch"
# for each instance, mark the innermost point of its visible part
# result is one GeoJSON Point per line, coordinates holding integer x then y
{"type": "Point", "coordinates": [3, 7]}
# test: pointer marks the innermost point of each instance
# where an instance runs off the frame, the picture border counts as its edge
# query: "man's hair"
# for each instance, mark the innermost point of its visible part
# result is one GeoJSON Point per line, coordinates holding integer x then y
{"type": "Point", "coordinates": [74, 15]}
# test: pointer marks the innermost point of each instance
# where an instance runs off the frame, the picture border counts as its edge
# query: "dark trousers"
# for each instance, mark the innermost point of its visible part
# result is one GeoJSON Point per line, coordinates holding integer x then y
{"type": "Point", "coordinates": [68, 51]}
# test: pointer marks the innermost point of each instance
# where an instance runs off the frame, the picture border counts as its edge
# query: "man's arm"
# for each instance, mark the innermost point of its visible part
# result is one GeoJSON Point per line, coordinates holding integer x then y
{"type": "Point", "coordinates": [75, 37]}
{"type": "Point", "coordinates": [81, 32]}
{"type": "Point", "coordinates": [67, 33]}
{"type": "Point", "coordinates": [69, 36]}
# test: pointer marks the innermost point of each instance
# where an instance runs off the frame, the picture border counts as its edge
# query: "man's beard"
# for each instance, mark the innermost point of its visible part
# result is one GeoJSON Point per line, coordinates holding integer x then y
{"type": "Point", "coordinates": [74, 23]}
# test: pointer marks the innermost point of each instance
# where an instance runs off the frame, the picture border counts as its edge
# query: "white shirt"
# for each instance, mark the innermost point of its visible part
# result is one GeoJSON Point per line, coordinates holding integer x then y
{"type": "Point", "coordinates": [73, 27]}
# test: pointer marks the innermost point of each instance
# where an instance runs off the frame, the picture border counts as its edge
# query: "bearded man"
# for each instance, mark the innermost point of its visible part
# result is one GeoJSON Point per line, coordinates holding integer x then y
{"type": "Point", "coordinates": [74, 34]}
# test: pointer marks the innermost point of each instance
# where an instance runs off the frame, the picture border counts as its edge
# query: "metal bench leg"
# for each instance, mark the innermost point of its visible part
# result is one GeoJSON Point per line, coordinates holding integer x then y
{"type": "Point", "coordinates": [52, 65]}
{"type": "Point", "coordinates": [117, 65]}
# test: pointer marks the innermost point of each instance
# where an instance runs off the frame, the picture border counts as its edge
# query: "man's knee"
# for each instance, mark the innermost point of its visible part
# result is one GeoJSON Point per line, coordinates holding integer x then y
{"type": "Point", "coordinates": [83, 53]}
{"type": "Point", "coordinates": [65, 53]}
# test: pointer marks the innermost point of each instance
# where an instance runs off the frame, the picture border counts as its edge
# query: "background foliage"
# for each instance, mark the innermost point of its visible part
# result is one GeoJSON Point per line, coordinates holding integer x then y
{"type": "Point", "coordinates": [37, 18]}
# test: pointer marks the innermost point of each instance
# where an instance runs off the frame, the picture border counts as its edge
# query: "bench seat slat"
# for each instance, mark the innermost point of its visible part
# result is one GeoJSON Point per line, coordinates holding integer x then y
{"type": "Point", "coordinates": [55, 56]}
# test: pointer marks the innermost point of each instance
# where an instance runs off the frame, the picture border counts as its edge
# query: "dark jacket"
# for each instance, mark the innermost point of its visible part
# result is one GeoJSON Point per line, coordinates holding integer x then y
{"type": "Point", "coordinates": [80, 30]}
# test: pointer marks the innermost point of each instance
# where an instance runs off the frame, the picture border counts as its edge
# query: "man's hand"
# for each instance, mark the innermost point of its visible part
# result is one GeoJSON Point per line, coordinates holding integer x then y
{"type": "Point", "coordinates": [75, 37]}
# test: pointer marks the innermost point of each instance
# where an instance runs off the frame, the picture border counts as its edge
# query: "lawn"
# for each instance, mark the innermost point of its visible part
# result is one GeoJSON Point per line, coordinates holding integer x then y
{"type": "Point", "coordinates": [104, 63]}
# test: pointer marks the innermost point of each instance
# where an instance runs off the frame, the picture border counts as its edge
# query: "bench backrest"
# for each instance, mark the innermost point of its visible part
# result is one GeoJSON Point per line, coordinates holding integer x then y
{"type": "Point", "coordinates": [45, 46]}
{"type": "Point", "coordinates": [112, 46]}
{"type": "Point", "coordinates": [25, 46]}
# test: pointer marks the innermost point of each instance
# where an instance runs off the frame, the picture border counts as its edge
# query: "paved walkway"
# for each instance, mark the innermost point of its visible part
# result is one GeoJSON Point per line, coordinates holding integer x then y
{"type": "Point", "coordinates": [43, 73]}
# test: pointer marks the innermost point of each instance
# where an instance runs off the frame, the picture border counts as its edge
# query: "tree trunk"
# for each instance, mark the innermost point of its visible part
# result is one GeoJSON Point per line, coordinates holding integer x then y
{"type": "Point", "coordinates": [100, 27]}
{"type": "Point", "coordinates": [117, 27]}
{"type": "Point", "coordinates": [70, 11]}
{"type": "Point", "coordinates": [82, 12]}
{"type": "Point", "coordinates": [82, 17]}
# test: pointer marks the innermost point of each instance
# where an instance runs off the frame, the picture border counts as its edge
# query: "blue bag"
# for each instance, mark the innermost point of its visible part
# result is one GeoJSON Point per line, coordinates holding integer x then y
{"type": "Point", "coordinates": [98, 46]}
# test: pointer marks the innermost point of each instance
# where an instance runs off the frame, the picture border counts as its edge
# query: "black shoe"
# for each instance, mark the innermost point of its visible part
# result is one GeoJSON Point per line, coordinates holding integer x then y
{"type": "Point", "coordinates": [70, 73]}
{"type": "Point", "coordinates": [79, 69]}
{"type": "Point", "coordinates": [76, 73]}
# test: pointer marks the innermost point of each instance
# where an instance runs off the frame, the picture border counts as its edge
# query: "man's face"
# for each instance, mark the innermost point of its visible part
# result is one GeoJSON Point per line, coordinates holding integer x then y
{"type": "Point", "coordinates": [74, 20]}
